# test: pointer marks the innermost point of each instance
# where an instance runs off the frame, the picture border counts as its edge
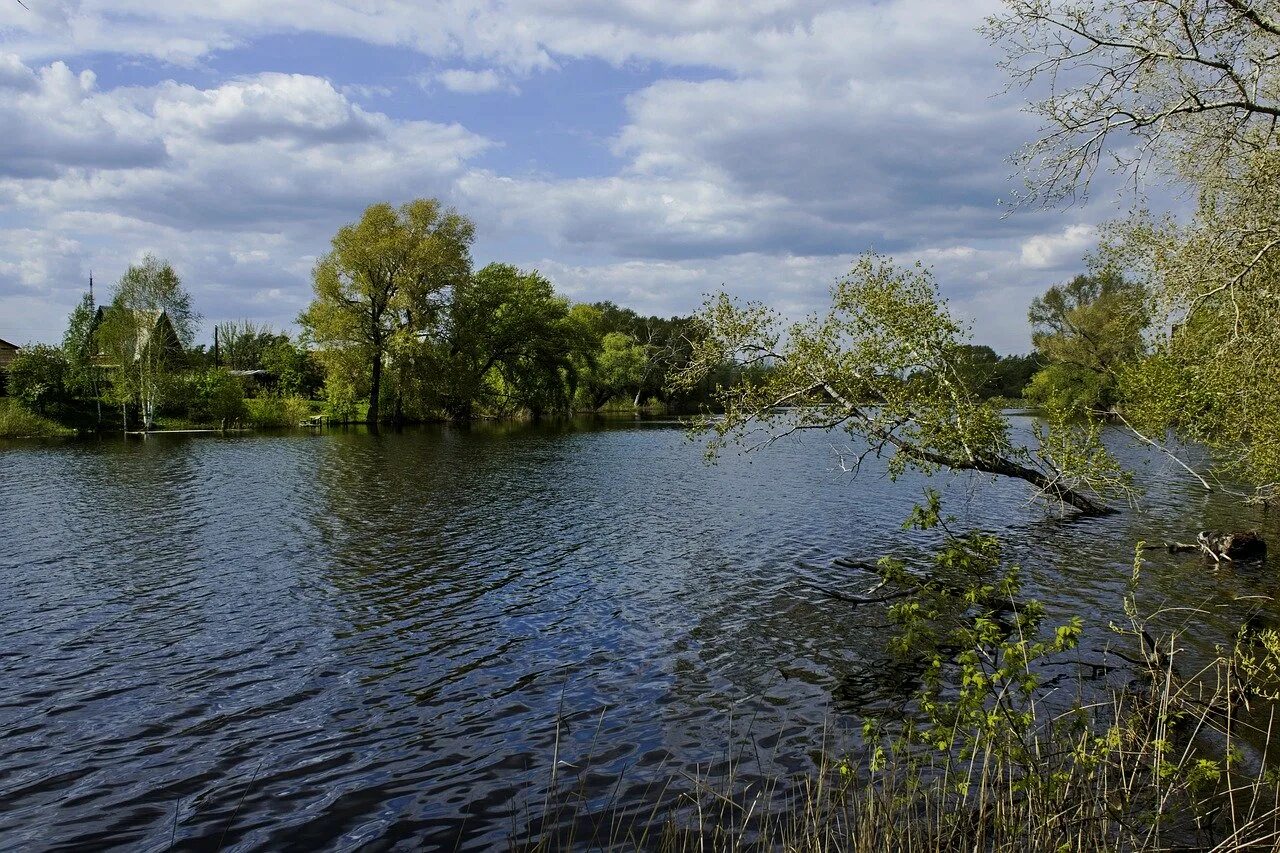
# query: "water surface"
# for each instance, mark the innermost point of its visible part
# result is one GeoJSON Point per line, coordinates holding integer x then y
{"type": "Point", "coordinates": [354, 641]}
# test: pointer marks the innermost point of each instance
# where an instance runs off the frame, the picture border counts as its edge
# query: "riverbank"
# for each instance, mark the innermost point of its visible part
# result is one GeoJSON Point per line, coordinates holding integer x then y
{"type": "Point", "coordinates": [17, 422]}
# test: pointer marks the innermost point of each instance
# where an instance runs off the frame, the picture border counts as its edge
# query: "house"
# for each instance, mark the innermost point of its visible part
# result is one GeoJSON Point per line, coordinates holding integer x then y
{"type": "Point", "coordinates": [155, 326]}
{"type": "Point", "coordinates": [8, 352]}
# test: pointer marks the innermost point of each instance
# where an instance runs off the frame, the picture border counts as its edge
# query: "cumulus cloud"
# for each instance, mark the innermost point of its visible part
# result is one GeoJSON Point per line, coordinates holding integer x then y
{"type": "Point", "coordinates": [772, 141]}
{"type": "Point", "coordinates": [1047, 251]}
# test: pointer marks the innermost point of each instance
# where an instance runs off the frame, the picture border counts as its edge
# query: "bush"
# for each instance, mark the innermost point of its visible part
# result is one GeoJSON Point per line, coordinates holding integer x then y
{"type": "Point", "coordinates": [277, 412]}
{"type": "Point", "coordinates": [38, 379]}
{"type": "Point", "coordinates": [17, 422]}
{"type": "Point", "coordinates": [1067, 388]}
{"type": "Point", "coordinates": [217, 397]}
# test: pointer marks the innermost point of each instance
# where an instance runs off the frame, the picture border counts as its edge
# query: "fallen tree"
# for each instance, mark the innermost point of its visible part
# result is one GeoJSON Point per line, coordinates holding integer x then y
{"type": "Point", "coordinates": [884, 364]}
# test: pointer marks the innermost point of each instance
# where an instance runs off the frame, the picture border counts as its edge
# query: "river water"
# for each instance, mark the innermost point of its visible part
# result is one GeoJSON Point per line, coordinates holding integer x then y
{"type": "Point", "coordinates": [355, 641]}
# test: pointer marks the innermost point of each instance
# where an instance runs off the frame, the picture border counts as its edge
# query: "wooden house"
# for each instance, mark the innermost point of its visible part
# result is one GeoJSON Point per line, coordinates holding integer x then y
{"type": "Point", "coordinates": [155, 329]}
{"type": "Point", "coordinates": [8, 352]}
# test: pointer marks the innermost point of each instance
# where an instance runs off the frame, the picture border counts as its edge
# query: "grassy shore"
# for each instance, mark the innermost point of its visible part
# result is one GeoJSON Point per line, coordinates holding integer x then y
{"type": "Point", "coordinates": [17, 422]}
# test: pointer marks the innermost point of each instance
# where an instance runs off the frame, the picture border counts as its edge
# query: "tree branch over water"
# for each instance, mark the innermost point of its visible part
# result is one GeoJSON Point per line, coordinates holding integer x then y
{"type": "Point", "coordinates": [884, 364]}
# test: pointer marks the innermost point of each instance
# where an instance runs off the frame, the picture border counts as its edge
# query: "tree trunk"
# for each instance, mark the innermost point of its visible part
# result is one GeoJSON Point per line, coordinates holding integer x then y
{"type": "Point", "coordinates": [375, 389]}
{"type": "Point", "coordinates": [1007, 468]}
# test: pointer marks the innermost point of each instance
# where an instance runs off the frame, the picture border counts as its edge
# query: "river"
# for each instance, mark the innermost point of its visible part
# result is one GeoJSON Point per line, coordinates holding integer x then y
{"type": "Point", "coordinates": [353, 641]}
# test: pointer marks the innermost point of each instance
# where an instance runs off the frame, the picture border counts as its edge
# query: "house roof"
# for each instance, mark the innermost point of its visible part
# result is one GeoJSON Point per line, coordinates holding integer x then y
{"type": "Point", "coordinates": [6, 345]}
{"type": "Point", "coordinates": [157, 323]}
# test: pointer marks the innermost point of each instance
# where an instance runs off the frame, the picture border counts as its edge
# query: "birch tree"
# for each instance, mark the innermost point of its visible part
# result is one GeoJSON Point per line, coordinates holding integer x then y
{"type": "Point", "coordinates": [143, 333]}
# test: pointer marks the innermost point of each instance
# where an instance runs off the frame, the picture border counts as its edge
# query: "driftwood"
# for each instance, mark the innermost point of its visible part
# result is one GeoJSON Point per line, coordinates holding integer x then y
{"type": "Point", "coordinates": [1222, 547]}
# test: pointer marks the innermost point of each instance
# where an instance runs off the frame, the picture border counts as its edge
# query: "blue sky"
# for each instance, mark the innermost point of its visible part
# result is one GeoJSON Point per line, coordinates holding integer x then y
{"type": "Point", "coordinates": [644, 152]}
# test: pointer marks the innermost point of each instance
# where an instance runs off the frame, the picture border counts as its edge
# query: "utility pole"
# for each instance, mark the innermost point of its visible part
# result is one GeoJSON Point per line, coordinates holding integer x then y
{"type": "Point", "coordinates": [217, 362]}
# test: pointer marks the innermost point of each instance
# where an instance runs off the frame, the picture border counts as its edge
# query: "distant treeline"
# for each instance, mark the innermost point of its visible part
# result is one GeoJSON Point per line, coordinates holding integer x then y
{"type": "Point", "coordinates": [400, 329]}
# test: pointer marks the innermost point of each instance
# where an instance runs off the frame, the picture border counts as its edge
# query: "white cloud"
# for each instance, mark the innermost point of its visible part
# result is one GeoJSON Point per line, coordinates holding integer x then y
{"type": "Point", "coordinates": [1047, 251]}
{"type": "Point", "coordinates": [467, 82]}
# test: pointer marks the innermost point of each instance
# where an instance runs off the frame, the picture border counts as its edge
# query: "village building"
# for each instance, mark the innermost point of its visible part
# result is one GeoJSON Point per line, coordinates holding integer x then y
{"type": "Point", "coordinates": [8, 352]}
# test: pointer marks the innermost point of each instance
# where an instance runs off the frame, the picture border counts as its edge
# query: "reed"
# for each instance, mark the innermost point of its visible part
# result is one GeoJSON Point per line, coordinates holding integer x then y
{"type": "Point", "coordinates": [989, 757]}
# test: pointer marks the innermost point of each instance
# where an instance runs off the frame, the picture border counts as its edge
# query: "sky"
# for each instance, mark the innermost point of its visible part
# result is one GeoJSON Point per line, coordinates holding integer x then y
{"type": "Point", "coordinates": [649, 152]}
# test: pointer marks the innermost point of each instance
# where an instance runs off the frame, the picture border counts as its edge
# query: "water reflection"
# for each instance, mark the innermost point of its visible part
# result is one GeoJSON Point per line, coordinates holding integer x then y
{"type": "Point", "coordinates": [333, 640]}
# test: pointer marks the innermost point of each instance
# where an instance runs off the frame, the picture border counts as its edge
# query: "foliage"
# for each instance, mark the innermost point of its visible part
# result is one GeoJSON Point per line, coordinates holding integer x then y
{"type": "Point", "coordinates": [243, 344]}
{"type": "Point", "coordinates": [509, 343]}
{"type": "Point", "coordinates": [619, 368]}
{"type": "Point", "coordinates": [38, 378]}
{"type": "Point", "coordinates": [296, 371]}
{"type": "Point", "coordinates": [218, 397]}
{"type": "Point", "coordinates": [1069, 388]}
{"type": "Point", "coordinates": [1190, 87]}
{"type": "Point", "coordinates": [143, 333]}
{"type": "Point", "coordinates": [81, 350]}
{"type": "Point", "coordinates": [1088, 330]}
{"type": "Point", "coordinates": [884, 365]}
{"type": "Point", "coordinates": [379, 285]}
{"type": "Point", "coordinates": [1214, 376]}
{"type": "Point", "coordinates": [16, 421]}
{"type": "Point", "coordinates": [277, 412]}
{"type": "Point", "coordinates": [990, 375]}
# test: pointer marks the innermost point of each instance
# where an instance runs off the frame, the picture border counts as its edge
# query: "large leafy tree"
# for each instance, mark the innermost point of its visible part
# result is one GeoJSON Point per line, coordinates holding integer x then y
{"type": "Point", "coordinates": [1088, 330]}
{"type": "Point", "coordinates": [886, 364]}
{"type": "Point", "coordinates": [509, 341]}
{"type": "Point", "coordinates": [380, 285]}
{"type": "Point", "coordinates": [143, 333]}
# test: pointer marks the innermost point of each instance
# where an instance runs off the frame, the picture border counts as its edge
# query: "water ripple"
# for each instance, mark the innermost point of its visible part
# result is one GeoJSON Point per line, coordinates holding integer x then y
{"type": "Point", "coordinates": [341, 641]}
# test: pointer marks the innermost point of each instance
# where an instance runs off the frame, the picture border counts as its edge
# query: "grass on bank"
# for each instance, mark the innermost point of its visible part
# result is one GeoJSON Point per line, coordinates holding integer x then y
{"type": "Point", "coordinates": [18, 422]}
{"type": "Point", "coordinates": [279, 412]}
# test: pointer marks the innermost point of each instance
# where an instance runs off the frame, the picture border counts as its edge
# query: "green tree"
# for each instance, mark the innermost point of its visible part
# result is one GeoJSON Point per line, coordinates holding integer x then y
{"type": "Point", "coordinates": [1214, 376]}
{"type": "Point", "coordinates": [242, 344]}
{"type": "Point", "coordinates": [1181, 88]}
{"type": "Point", "coordinates": [38, 380]}
{"type": "Point", "coordinates": [143, 334]}
{"type": "Point", "coordinates": [1093, 324]}
{"type": "Point", "coordinates": [621, 365]}
{"type": "Point", "coordinates": [218, 398]}
{"type": "Point", "coordinates": [884, 365]}
{"type": "Point", "coordinates": [80, 346]}
{"type": "Point", "coordinates": [1013, 373]}
{"type": "Point", "coordinates": [508, 325]}
{"type": "Point", "coordinates": [381, 284]}
{"type": "Point", "coordinates": [296, 371]}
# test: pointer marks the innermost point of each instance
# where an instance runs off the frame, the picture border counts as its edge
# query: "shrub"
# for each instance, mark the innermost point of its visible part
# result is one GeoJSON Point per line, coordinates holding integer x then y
{"type": "Point", "coordinates": [217, 397]}
{"type": "Point", "coordinates": [277, 412]}
{"type": "Point", "coordinates": [38, 379]}
{"type": "Point", "coordinates": [17, 422]}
